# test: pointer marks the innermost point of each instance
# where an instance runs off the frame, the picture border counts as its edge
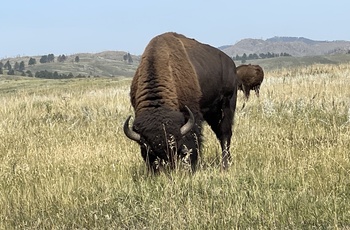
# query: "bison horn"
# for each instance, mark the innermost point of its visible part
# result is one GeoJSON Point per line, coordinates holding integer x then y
{"type": "Point", "coordinates": [130, 133]}
{"type": "Point", "coordinates": [189, 125]}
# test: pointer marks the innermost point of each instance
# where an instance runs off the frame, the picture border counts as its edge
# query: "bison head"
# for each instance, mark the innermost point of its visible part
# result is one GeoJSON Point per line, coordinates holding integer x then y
{"type": "Point", "coordinates": [162, 135]}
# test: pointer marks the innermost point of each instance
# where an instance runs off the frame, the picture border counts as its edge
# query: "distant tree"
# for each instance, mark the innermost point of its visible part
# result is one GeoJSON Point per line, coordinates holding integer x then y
{"type": "Point", "coordinates": [23, 74]}
{"type": "Point", "coordinates": [16, 67]}
{"type": "Point", "coordinates": [244, 58]}
{"type": "Point", "coordinates": [285, 55]}
{"type": "Point", "coordinates": [43, 74]}
{"type": "Point", "coordinates": [11, 72]}
{"type": "Point", "coordinates": [44, 59]}
{"type": "Point", "coordinates": [77, 59]}
{"type": "Point", "coordinates": [127, 57]}
{"type": "Point", "coordinates": [50, 58]}
{"type": "Point", "coordinates": [80, 76]}
{"type": "Point", "coordinates": [1, 72]}
{"type": "Point", "coordinates": [258, 56]}
{"type": "Point", "coordinates": [262, 55]}
{"type": "Point", "coordinates": [21, 66]}
{"type": "Point", "coordinates": [8, 65]}
{"type": "Point", "coordinates": [56, 75]}
{"type": "Point", "coordinates": [1, 64]}
{"type": "Point", "coordinates": [29, 73]}
{"type": "Point", "coordinates": [70, 75]}
{"type": "Point", "coordinates": [130, 59]}
{"type": "Point", "coordinates": [32, 61]}
{"type": "Point", "coordinates": [61, 58]}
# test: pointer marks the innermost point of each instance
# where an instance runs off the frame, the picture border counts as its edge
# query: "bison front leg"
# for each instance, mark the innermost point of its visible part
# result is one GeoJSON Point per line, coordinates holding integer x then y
{"type": "Point", "coordinates": [226, 155]}
{"type": "Point", "coordinates": [246, 91]}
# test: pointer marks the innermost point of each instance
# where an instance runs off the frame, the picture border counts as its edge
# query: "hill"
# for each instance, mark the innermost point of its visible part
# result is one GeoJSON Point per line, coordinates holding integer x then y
{"type": "Point", "coordinates": [296, 62]}
{"type": "Point", "coordinates": [107, 63]}
{"type": "Point", "coordinates": [112, 63]}
{"type": "Point", "coordinates": [295, 46]}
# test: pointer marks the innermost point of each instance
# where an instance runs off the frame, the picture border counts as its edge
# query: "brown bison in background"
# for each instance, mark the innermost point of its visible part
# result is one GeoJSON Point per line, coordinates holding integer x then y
{"type": "Point", "coordinates": [250, 77]}
{"type": "Point", "coordinates": [179, 84]}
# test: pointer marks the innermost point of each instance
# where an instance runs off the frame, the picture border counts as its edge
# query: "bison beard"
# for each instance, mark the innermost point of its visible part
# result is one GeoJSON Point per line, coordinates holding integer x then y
{"type": "Point", "coordinates": [178, 84]}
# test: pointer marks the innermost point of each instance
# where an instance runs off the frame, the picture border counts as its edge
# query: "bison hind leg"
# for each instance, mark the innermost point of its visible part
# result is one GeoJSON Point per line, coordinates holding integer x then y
{"type": "Point", "coordinates": [257, 89]}
{"type": "Point", "coordinates": [220, 120]}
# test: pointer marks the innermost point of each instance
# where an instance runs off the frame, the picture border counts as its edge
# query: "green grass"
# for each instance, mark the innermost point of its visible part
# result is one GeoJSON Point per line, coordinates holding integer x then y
{"type": "Point", "coordinates": [66, 164]}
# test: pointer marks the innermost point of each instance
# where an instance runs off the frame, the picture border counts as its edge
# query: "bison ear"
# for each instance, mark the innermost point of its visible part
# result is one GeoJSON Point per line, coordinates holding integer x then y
{"type": "Point", "coordinates": [189, 125]}
{"type": "Point", "coordinates": [130, 133]}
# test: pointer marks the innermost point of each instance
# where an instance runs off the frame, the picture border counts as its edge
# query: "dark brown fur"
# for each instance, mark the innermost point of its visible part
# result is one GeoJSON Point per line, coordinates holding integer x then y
{"type": "Point", "coordinates": [176, 72]}
{"type": "Point", "coordinates": [250, 77]}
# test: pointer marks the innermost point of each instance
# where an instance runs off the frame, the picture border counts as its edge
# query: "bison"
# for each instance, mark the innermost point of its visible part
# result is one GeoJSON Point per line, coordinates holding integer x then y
{"type": "Point", "coordinates": [178, 84]}
{"type": "Point", "coordinates": [250, 77]}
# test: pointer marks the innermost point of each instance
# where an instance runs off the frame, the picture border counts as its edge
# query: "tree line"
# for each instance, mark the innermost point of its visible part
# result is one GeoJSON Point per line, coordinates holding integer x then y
{"type": "Point", "coordinates": [20, 67]}
{"type": "Point", "coordinates": [44, 74]}
{"type": "Point", "coordinates": [253, 56]}
{"type": "Point", "coordinates": [54, 75]}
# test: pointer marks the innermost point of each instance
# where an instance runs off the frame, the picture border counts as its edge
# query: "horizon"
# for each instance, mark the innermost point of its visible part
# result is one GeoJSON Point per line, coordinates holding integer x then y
{"type": "Point", "coordinates": [219, 47]}
{"type": "Point", "coordinates": [92, 27]}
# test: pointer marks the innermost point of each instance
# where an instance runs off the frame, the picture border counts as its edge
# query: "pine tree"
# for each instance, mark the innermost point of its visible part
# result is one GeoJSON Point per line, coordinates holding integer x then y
{"type": "Point", "coordinates": [50, 58]}
{"type": "Point", "coordinates": [16, 66]}
{"type": "Point", "coordinates": [29, 73]}
{"type": "Point", "coordinates": [21, 66]}
{"type": "Point", "coordinates": [43, 59]}
{"type": "Point", "coordinates": [130, 59]}
{"type": "Point", "coordinates": [8, 65]}
{"type": "Point", "coordinates": [11, 72]}
{"type": "Point", "coordinates": [32, 61]}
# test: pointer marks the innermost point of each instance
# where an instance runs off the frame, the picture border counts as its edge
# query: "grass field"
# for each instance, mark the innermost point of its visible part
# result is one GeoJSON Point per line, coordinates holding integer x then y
{"type": "Point", "coordinates": [66, 164]}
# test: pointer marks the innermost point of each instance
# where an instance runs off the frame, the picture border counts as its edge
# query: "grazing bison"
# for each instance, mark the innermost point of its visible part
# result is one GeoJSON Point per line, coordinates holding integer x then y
{"type": "Point", "coordinates": [250, 77]}
{"type": "Point", "coordinates": [178, 84]}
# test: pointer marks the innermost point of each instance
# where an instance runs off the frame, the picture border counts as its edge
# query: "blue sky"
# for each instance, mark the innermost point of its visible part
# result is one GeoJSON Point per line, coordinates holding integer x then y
{"type": "Point", "coordinates": [73, 26]}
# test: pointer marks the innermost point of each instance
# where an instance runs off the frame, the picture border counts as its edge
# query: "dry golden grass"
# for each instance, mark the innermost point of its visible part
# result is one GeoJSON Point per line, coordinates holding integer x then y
{"type": "Point", "coordinates": [66, 164]}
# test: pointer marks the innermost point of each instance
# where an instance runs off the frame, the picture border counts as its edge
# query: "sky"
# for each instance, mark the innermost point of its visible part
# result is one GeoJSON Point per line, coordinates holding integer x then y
{"type": "Point", "coordinates": [39, 27]}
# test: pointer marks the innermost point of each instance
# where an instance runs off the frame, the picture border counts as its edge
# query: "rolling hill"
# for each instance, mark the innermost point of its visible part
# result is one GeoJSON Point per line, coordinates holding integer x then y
{"type": "Point", "coordinates": [107, 64]}
{"type": "Point", "coordinates": [295, 46]}
{"type": "Point", "coordinates": [111, 63]}
{"type": "Point", "coordinates": [295, 62]}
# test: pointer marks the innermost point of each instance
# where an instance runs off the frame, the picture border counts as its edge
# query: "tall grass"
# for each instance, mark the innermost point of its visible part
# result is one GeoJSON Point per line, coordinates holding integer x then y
{"type": "Point", "coordinates": [66, 164]}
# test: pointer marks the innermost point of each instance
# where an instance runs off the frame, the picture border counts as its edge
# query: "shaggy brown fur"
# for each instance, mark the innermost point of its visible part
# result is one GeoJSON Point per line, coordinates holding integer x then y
{"type": "Point", "coordinates": [176, 72]}
{"type": "Point", "coordinates": [250, 77]}
{"type": "Point", "coordinates": [165, 59]}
